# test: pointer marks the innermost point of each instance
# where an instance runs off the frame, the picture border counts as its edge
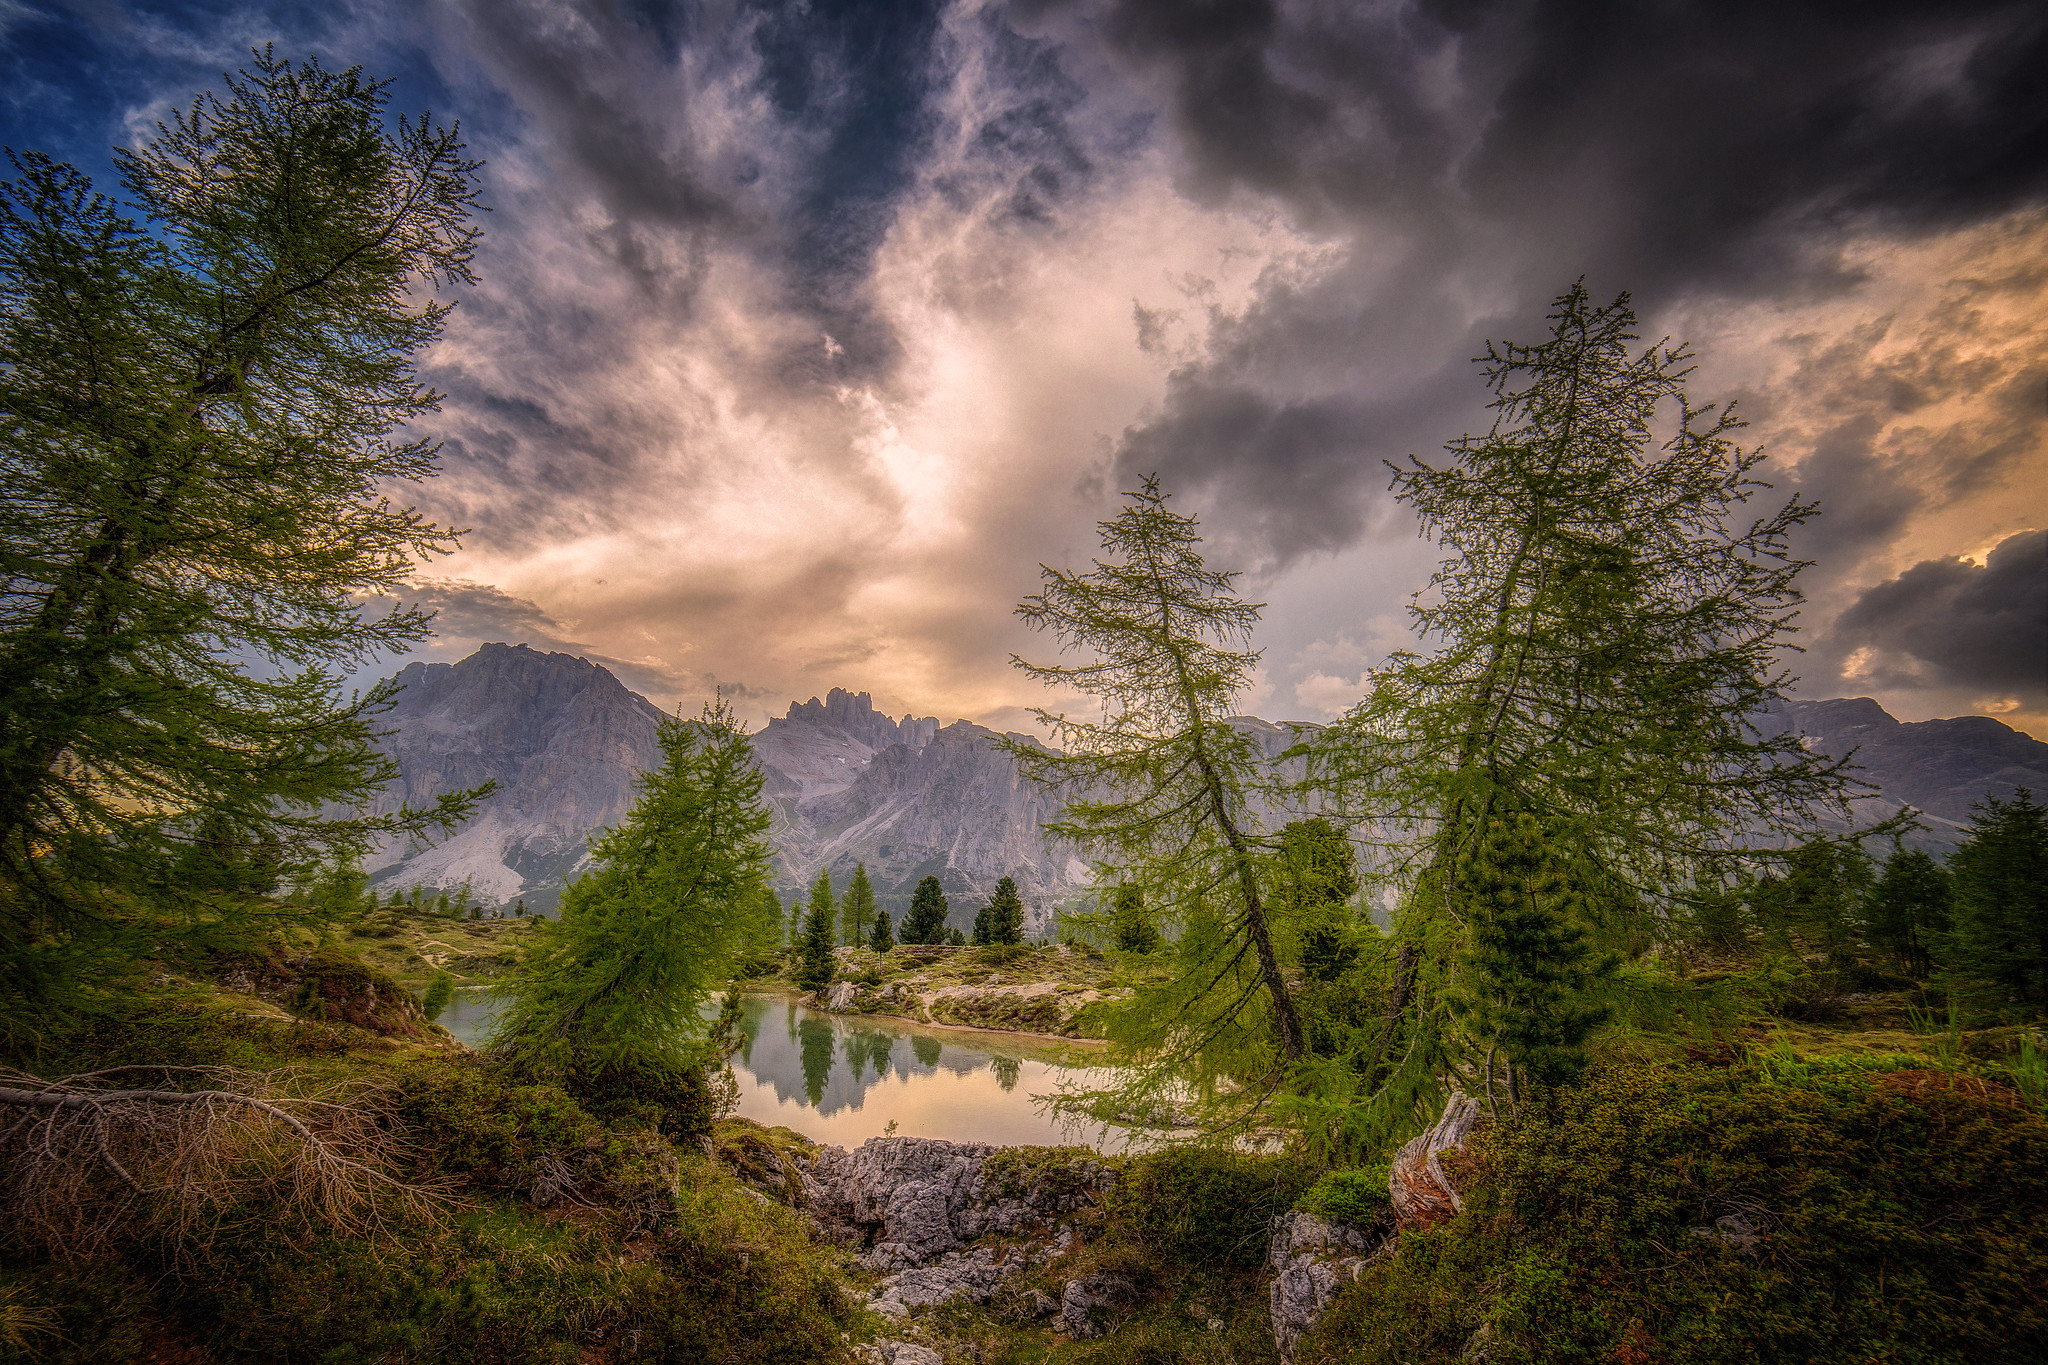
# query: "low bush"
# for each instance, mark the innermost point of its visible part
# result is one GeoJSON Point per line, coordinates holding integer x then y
{"type": "Point", "coordinates": [571, 1237]}
{"type": "Point", "coordinates": [1358, 1197]}
{"type": "Point", "coordinates": [1697, 1216]}
{"type": "Point", "coordinates": [1207, 1205]}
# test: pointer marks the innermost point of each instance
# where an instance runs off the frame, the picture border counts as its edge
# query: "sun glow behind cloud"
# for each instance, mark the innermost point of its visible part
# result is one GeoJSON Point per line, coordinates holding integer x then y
{"type": "Point", "coordinates": [806, 335]}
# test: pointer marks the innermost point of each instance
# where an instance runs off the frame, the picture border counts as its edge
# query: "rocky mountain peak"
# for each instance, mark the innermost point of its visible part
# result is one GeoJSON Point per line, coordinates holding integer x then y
{"type": "Point", "coordinates": [855, 714]}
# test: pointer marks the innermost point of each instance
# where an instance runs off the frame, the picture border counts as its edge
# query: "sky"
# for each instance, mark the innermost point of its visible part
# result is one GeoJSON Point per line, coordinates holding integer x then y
{"type": "Point", "coordinates": [807, 332]}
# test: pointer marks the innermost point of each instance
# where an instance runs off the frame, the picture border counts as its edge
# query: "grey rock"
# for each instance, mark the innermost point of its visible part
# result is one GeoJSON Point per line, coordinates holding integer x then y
{"type": "Point", "coordinates": [1080, 1299]}
{"type": "Point", "coordinates": [1730, 1229]}
{"type": "Point", "coordinates": [919, 1198]}
{"type": "Point", "coordinates": [974, 1275]}
{"type": "Point", "coordinates": [840, 995]}
{"type": "Point", "coordinates": [1312, 1258]}
{"type": "Point", "coordinates": [887, 1352]}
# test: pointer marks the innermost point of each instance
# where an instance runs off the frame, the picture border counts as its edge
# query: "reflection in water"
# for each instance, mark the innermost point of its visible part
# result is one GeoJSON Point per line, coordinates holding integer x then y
{"type": "Point", "coordinates": [847, 1079]}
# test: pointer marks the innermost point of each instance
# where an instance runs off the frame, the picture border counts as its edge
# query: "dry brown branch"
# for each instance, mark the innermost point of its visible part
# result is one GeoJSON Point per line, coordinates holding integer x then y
{"type": "Point", "coordinates": [85, 1161]}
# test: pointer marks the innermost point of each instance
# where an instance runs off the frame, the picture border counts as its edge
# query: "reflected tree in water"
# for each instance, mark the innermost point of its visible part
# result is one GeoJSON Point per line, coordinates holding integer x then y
{"type": "Point", "coordinates": [927, 1050]}
{"type": "Point", "coordinates": [815, 1038]}
{"type": "Point", "coordinates": [880, 1045]}
{"type": "Point", "coordinates": [1007, 1070]}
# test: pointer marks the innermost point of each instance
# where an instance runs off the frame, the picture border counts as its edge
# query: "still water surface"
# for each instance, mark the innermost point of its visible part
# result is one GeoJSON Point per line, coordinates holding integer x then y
{"type": "Point", "coordinates": [845, 1079]}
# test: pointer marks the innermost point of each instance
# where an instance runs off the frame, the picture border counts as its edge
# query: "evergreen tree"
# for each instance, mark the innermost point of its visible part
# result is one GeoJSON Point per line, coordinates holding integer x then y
{"type": "Point", "coordinates": [857, 909]}
{"type": "Point", "coordinates": [926, 922]}
{"type": "Point", "coordinates": [956, 938]}
{"type": "Point", "coordinates": [1527, 965]}
{"type": "Point", "coordinates": [1996, 950]}
{"type": "Point", "coordinates": [1908, 909]}
{"type": "Point", "coordinates": [881, 940]}
{"type": "Point", "coordinates": [1315, 879]}
{"type": "Point", "coordinates": [1168, 810]}
{"type": "Point", "coordinates": [606, 999]}
{"type": "Point", "coordinates": [1820, 896]}
{"type": "Point", "coordinates": [817, 965]}
{"type": "Point", "coordinates": [203, 388]}
{"type": "Point", "coordinates": [339, 892]}
{"type": "Point", "coordinates": [1592, 651]}
{"type": "Point", "coordinates": [1129, 924]}
{"type": "Point", "coordinates": [1003, 916]}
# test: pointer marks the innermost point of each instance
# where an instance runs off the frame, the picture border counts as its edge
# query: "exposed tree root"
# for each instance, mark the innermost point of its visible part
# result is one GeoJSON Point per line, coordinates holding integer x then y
{"type": "Point", "coordinates": [85, 1162]}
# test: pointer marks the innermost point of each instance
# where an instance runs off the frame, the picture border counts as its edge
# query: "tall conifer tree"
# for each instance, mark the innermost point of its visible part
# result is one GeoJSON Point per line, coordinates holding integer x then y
{"type": "Point", "coordinates": [857, 907]}
{"type": "Point", "coordinates": [606, 999]}
{"type": "Point", "coordinates": [926, 922]}
{"type": "Point", "coordinates": [1161, 641]}
{"type": "Point", "coordinates": [816, 966]}
{"type": "Point", "coordinates": [205, 387]}
{"type": "Point", "coordinates": [1604, 631]}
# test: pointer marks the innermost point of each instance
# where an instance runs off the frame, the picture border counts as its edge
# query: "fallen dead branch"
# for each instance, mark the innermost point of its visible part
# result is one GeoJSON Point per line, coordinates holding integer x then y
{"type": "Point", "coordinates": [85, 1160]}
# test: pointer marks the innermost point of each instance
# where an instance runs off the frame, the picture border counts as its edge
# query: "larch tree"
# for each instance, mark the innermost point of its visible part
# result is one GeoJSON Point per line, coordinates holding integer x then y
{"type": "Point", "coordinates": [203, 390]}
{"type": "Point", "coordinates": [857, 908]}
{"type": "Point", "coordinates": [1595, 653]}
{"type": "Point", "coordinates": [1160, 644]}
{"type": "Point", "coordinates": [607, 999]}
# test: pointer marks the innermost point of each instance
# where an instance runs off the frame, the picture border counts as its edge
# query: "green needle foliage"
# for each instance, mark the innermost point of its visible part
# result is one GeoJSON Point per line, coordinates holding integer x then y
{"type": "Point", "coordinates": [1909, 908]}
{"type": "Point", "coordinates": [857, 908]}
{"type": "Point", "coordinates": [882, 939]}
{"type": "Point", "coordinates": [1161, 640]}
{"type": "Point", "coordinates": [1520, 990]}
{"type": "Point", "coordinates": [606, 999]}
{"type": "Point", "coordinates": [1130, 926]}
{"type": "Point", "coordinates": [816, 966]}
{"type": "Point", "coordinates": [202, 389]}
{"type": "Point", "coordinates": [1996, 950]}
{"type": "Point", "coordinates": [1602, 635]}
{"type": "Point", "coordinates": [926, 922]}
{"type": "Point", "coordinates": [1002, 919]}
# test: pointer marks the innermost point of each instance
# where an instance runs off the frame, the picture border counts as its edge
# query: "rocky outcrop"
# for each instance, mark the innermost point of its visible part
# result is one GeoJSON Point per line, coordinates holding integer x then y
{"type": "Point", "coordinates": [1422, 1189]}
{"type": "Point", "coordinates": [1312, 1258]}
{"type": "Point", "coordinates": [911, 1206]}
{"type": "Point", "coordinates": [914, 1199]}
{"type": "Point", "coordinates": [1083, 1300]}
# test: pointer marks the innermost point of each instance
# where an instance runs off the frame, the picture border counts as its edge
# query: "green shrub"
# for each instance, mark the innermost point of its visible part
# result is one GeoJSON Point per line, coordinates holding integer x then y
{"type": "Point", "coordinates": [1358, 1197]}
{"type": "Point", "coordinates": [1894, 1215]}
{"type": "Point", "coordinates": [1204, 1205]}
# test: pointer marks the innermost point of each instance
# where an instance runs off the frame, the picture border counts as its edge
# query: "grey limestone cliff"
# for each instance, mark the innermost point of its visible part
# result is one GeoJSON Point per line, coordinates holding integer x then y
{"type": "Point", "coordinates": [911, 798]}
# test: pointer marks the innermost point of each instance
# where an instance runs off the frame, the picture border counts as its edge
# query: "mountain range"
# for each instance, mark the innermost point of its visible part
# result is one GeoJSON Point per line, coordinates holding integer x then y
{"type": "Point", "coordinates": [910, 798]}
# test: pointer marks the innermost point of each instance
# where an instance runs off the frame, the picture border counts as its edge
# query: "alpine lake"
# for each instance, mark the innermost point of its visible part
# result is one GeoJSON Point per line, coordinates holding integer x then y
{"type": "Point", "coordinates": [843, 1079]}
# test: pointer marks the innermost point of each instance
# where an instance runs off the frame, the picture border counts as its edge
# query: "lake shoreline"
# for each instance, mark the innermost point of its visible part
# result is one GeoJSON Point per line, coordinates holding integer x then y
{"type": "Point", "coordinates": [811, 1000]}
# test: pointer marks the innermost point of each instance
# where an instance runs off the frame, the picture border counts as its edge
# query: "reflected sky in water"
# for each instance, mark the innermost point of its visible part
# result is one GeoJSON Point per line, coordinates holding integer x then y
{"type": "Point", "coordinates": [844, 1078]}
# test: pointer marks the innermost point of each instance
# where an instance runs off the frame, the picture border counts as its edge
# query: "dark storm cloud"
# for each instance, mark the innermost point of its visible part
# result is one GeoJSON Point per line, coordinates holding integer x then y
{"type": "Point", "coordinates": [1675, 150]}
{"type": "Point", "coordinates": [1949, 622]}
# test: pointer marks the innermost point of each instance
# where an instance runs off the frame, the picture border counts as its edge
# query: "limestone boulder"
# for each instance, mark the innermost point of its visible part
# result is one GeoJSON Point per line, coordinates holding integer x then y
{"type": "Point", "coordinates": [1312, 1258]}
{"type": "Point", "coordinates": [1083, 1300]}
